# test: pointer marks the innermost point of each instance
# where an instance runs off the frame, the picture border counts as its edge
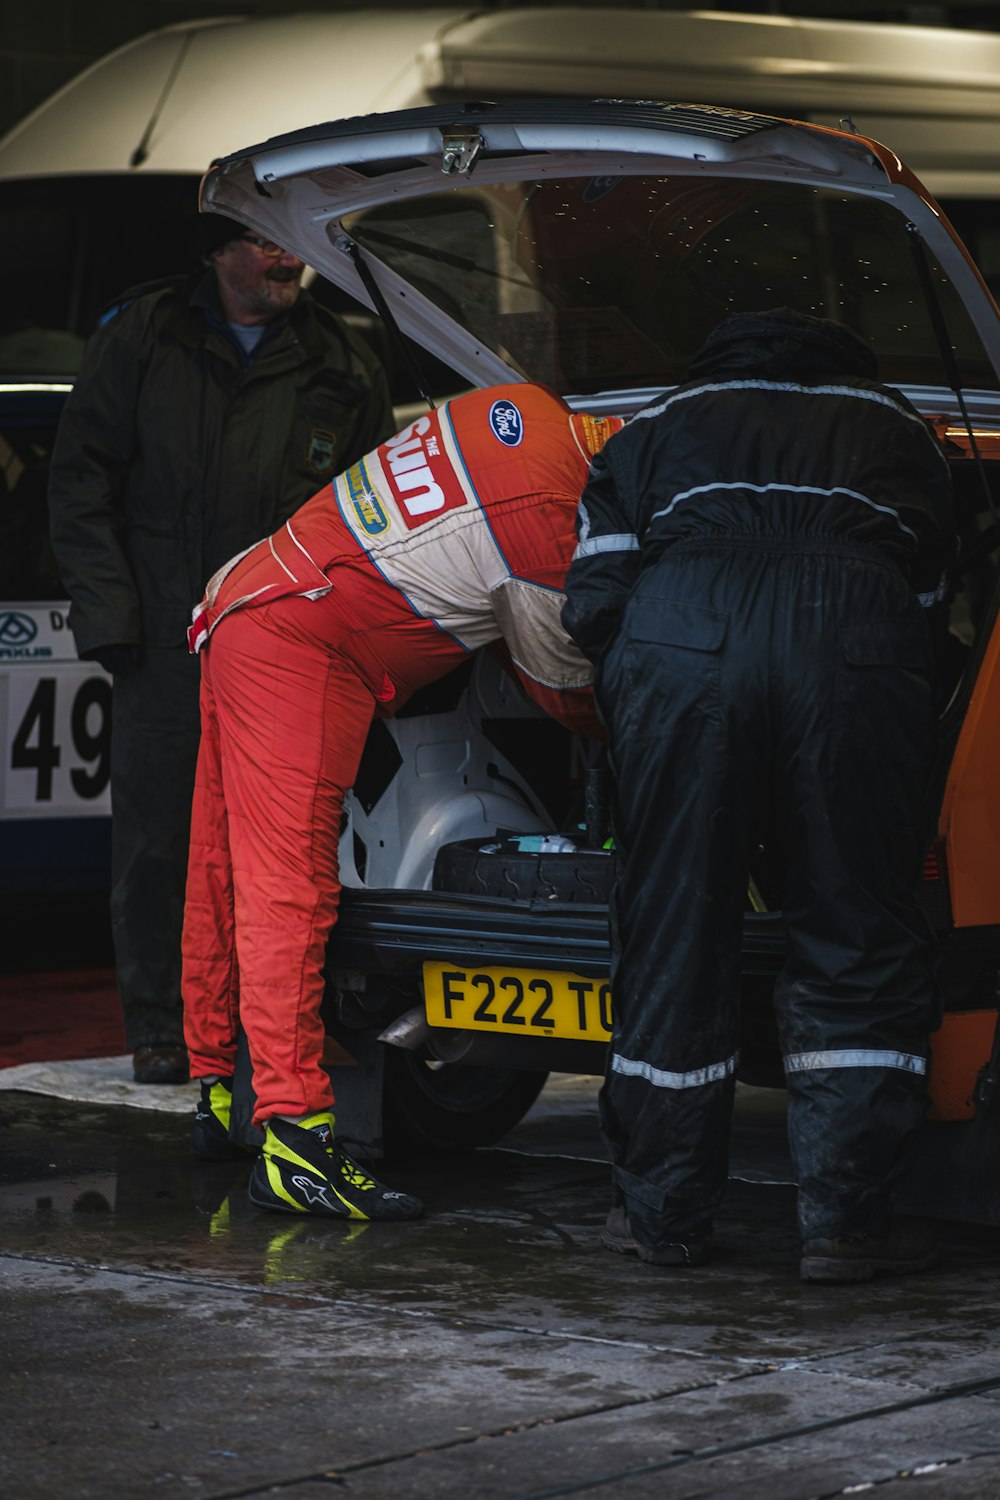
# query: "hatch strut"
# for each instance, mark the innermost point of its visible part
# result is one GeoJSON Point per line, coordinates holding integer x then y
{"type": "Point", "coordinates": [384, 311]}
{"type": "Point", "coordinates": [951, 365]}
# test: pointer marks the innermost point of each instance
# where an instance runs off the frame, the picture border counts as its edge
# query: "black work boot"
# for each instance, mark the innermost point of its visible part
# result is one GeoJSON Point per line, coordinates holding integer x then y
{"type": "Point", "coordinates": [617, 1235]}
{"type": "Point", "coordinates": [906, 1245]}
{"type": "Point", "coordinates": [166, 1063]}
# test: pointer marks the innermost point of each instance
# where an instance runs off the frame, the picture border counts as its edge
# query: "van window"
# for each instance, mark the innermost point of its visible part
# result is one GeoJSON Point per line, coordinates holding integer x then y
{"type": "Point", "coordinates": [27, 433]}
{"type": "Point", "coordinates": [71, 245]}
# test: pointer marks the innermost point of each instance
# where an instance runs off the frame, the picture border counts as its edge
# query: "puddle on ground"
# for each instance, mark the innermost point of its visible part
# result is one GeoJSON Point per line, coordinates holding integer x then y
{"type": "Point", "coordinates": [511, 1237]}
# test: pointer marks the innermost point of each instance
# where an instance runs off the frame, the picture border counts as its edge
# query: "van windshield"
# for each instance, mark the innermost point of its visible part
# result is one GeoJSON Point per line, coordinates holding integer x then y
{"type": "Point", "coordinates": [73, 244]}
{"type": "Point", "coordinates": [594, 283]}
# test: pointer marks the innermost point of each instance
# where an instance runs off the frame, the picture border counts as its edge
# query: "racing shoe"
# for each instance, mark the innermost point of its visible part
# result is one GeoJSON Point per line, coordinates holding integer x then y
{"type": "Point", "coordinates": [907, 1245]}
{"type": "Point", "coordinates": [210, 1137]}
{"type": "Point", "coordinates": [302, 1170]}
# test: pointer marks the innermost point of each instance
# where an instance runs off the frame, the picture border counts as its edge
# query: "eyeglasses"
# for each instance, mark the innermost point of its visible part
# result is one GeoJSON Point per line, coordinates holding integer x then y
{"type": "Point", "coordinates": [266, 247]}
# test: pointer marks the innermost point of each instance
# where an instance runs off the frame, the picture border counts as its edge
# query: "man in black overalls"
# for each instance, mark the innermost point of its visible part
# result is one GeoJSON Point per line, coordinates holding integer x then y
{"type": "Point", "coordinates": [754, 551]}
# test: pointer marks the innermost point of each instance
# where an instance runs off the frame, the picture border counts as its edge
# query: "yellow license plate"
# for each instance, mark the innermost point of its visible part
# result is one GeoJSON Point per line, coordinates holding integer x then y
{"type": "Point", "coordinates": [525, 1002]}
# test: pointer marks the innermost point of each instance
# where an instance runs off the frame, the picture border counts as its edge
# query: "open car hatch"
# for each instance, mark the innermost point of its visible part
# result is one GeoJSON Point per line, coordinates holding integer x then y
{"type": "Point", "coordinates": [592, 245]}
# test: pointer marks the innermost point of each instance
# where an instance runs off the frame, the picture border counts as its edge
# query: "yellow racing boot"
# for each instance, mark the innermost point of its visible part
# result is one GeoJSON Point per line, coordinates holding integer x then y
{"type": "Point", "coordinates": [210, 1138]}
{"type": "Point", "coordinates": [302, 1170]}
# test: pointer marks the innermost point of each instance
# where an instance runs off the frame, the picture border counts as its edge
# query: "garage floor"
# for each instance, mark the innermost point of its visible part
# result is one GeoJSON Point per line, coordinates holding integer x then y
{"type": "Point", "coordinates": [160, 1337]}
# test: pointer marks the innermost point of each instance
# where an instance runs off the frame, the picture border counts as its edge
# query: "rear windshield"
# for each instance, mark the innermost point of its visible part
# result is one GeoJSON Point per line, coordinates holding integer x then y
{"type": "Point", "coordinates": [592, 283]}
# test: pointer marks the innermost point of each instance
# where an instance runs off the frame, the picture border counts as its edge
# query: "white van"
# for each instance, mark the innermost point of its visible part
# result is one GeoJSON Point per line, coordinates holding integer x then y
{"type": "Point", "coordinates": [98, 185]}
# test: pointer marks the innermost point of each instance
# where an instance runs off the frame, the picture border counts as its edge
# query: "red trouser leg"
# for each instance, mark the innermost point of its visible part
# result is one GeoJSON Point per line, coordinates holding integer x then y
{"type": "Point", "coordinates": [210, 977]}
{"type": "Point", "coordinates": [292, 717]}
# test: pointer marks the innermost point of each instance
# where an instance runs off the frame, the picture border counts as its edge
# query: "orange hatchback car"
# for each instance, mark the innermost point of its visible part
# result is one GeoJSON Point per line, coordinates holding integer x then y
{"type": "Point", "coordinates": [592, 245]}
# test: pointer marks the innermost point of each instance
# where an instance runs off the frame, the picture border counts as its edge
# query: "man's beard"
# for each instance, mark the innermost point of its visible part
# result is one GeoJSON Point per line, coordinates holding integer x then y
{"type": "Point", "coordinates": [277, 294]}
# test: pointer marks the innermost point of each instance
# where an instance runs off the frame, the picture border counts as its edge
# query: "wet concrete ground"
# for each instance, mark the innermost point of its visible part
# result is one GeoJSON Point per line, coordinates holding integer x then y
{"type": "Point", "coordinates": [162, 1338]}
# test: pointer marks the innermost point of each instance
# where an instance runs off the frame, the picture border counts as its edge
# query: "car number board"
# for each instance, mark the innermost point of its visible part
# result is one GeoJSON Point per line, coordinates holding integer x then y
{"type": "Point", "coordinates": [525, 1002]}
{"type": "Point", "coordinates": [55, 719]}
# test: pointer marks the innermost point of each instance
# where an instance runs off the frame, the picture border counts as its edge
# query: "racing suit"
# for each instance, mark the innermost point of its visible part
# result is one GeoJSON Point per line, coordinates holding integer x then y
{"type": "Point", "coordinates": [751, 552]}
{"type": "Point", "coordinates": [453, 534]}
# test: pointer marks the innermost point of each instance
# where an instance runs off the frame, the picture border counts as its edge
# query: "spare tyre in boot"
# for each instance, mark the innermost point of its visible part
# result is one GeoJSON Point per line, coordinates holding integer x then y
{"type": "Point", "coordinates": [529, 867]}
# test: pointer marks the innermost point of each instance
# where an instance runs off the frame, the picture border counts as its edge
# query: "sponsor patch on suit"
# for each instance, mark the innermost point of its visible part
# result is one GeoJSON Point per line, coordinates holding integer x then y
{"type": "Point", "coordinates": [507, 423]}
{"type": "Point", "coordinates": [367, 506]}
{"type": "Point", "coordinates": [419, 473]}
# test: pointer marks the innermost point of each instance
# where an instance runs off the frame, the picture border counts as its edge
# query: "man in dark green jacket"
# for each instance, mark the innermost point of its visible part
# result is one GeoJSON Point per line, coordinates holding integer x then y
{"type": "Point", "coordinates": [206, 411]}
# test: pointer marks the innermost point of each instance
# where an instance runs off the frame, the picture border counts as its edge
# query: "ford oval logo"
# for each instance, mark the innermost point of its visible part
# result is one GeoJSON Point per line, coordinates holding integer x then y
{"type": "Point", "coordinates": [16, 629]}
{"type": "Point", "coordinates": [506, 421]}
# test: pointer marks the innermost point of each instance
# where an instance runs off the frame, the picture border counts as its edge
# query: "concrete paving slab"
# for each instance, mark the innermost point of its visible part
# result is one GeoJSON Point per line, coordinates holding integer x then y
{"type": "Point", "coordinates": [433, 1409]}
{"type": "Point", "coordinates": [972, 1353]}
{"type": "Point", "coordinates": [135, 1380]}
{"type": "Point", "coordinates": [965, 1479]}
{"type": "Point", "coordinates": [755, 1441]}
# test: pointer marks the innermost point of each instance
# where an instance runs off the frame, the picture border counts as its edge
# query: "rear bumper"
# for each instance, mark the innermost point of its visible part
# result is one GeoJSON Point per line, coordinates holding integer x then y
{"type": "Point", "coordinates": [394, 932]}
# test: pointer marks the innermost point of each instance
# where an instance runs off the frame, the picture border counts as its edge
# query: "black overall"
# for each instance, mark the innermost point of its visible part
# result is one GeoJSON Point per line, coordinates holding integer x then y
{"type": "Point", "coordinates": [743, 584]}
{"type": "Point", "coordinates": [774, 687]}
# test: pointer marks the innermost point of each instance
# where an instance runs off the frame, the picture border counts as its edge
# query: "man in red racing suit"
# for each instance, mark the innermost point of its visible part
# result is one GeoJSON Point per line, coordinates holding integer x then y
{"type": "Point", "coordinates": [455, 533]}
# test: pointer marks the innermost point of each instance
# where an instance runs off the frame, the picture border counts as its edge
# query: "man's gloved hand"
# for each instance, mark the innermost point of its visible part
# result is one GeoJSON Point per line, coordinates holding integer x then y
{"type": "Point", "coordinates": [118, 659]}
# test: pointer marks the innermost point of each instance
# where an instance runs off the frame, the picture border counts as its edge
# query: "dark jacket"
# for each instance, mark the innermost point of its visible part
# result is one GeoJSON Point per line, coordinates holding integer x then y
{"type": "Point", "coordinates": [175, 451]}
{"type": "Point", "coordinates": [782, 430]}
